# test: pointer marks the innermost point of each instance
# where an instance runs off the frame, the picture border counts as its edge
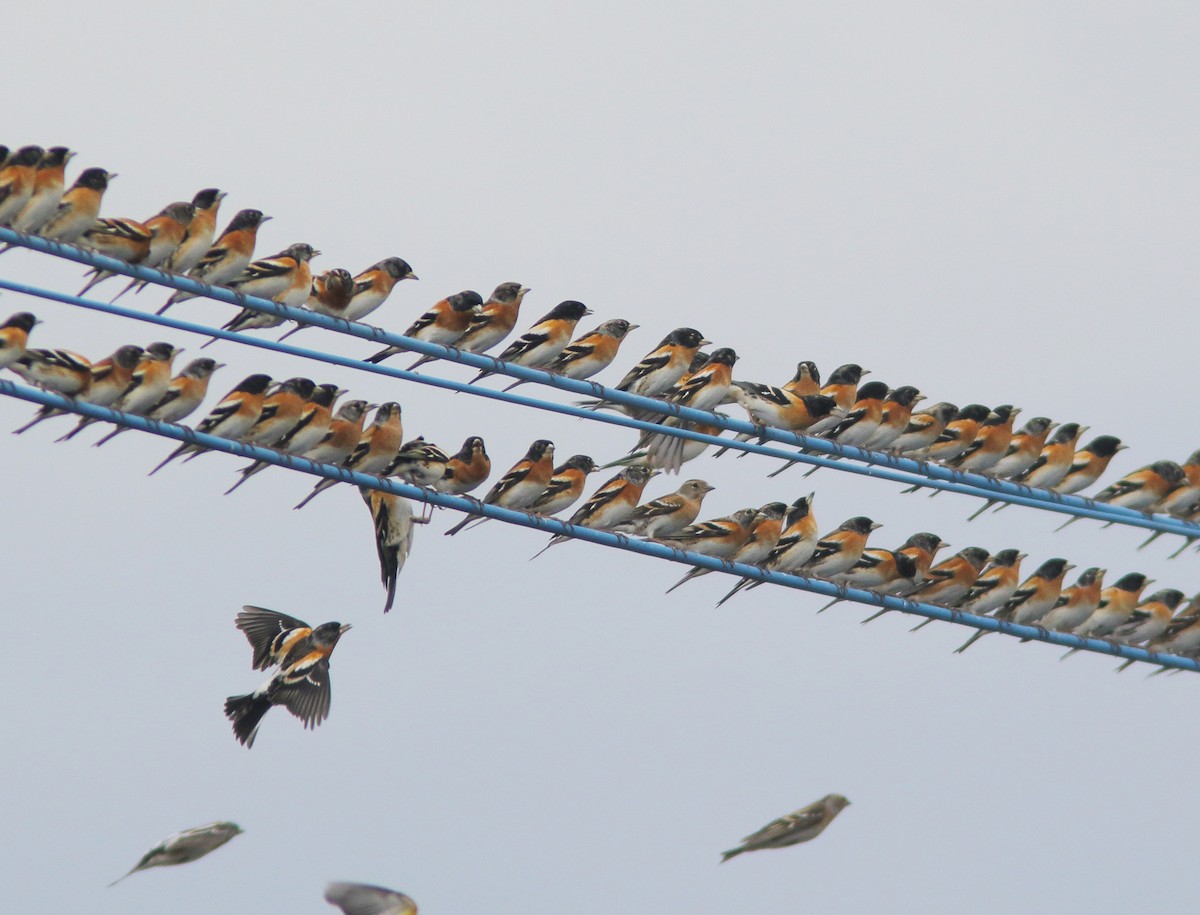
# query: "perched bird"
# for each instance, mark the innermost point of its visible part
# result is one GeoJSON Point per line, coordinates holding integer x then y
{"type": "Point", "coordinates": [709, 386]}
{"type": "Point", "coordinates": [281, 410]}
{"type": "Point", "coordinates": [183, 394]}
{"type": "Point", "coordinates": [197, 237]}
{"type": "Point", "coordinates": [878, 569]}
{"type": "Point", "coordinates": [110, 377]}
{"type": "Point", "coordinates": [922, 548]}
{"type": "Point", "coordinates": [232, 418]}
{"type": "Point", "coordinates": [843, 384]}
{"type": "Point", "coordinates": [309, 428]}
{"type": "Point", "coordinates": [1050, 467]}
{"type": "Point", "coordinates": [167, 230]}
{"type": "Point", "coordinates": [1151, 619]}
{"type": "Point", "coordinates": [949, 581]}
{"type": "Point", "coordinates": [924, 428]}
{"type": "Point", "coordinates": [991, 441]}
{"type": "Point", "coordinates": [861, 423]}
{"type": "Point", "coordinates": [661, 367]}
{"type": "Point", "coordinates": [492, 323]}
{"type": "Point", "coordinates": [79, 207]}
{"type": "Point", "coordinates": [345, 432]}
{"type": "Point", "coordinates": [591, 353]}
{"type": "Point", "coordinates": [368, 291]}
{"type": "Point", "coordinates": [330, 292]}
{"type": "Point", "coordinates": [466, 469]}
{"type": "Point", "coordinates": [301, 683]}
{"type": "Point", "coordinates": [147, 386]}
{"type": "Point", "coordinates": [719, 538]}
{"type": "Point", "coordinates": [670, 452]}
{"type": "Point", "coordinates": [565, 486]}
{"type": "Point", "coordinates": [285, 278]}
{"type": "Point", "coordinates": [48, 183]}
{"type": "Point", "coordinates": [995, 585]}
{"type": "Point", "coordinates": [796, 545]}
{"type": "Point", "coordinates": [374, 452]}
{"type": "Point", "coordinates": [1182, 635]}
{"type": "Point", "coordinates": [764, 533]}
{"type": "Point", "coordinates": [418, 462]}
{"type": "Point", "coordinates": [229, 255]}
{"type": "Point", "coordinates": [778, 408]}
{"type": "Point", "coordinates": [14, 337]}
{"type": "Point", "coordinates": [801, 826]}
{"type": "Point", "coordinates": [840, 549]}
{"type": "Point", "coordinates": [363, 899]}
{"type": "Point", "coordinates": [1024, 449]}
{"type": "Point", "coordinates": [121, 239]}
{"type": "Point", "coordinates": [609, 505]}
{"type": "Point", "coordinates": [520, 487]}
{"type": "Point", "coordinates": [393, 518]}
{"type": "Point", "coordinates": [186, 846]}
{"type": "Point", "coordinates": [443, 324]}
{"type": "Point", "coordinates": [1089, 464]}
{"type": "Point", "coordinates": [17, 177]}
{"type": "Point", "coordinates": [546, 340]}
{"type": "Point", "coordinates": [669, 514]}
{"type": "Point", "coordinates": [896, 414]}
{"type": "Point", "coordinates": [1032, 600]}
{"type": "Point", "coordinates": [1076, 603]}
{"type": "Point", "coordinates": [1141, 489]}
{"type": "Point", "coordinates": [806, 380]}
{"type": "Point", "coordinates": [958, 435]}
{"type": "Point", "coordinates": [1117, 604]}
{"type": "Point", "coordinates": [58, 370]}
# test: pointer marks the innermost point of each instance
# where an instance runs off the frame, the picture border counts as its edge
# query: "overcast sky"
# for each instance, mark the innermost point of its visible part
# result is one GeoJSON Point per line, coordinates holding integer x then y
{"type": "Point", "coordinates": [995, 203]}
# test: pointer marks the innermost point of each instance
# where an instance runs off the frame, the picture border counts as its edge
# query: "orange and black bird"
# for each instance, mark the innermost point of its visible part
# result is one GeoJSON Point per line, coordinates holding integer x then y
{"type": "Point", "coordinates": [703, 389]}
{"type": "Point", "coordinates": [991, 441]}
{"type": "Point", "coordinates": [764, 531]}
{"type": "Point", "coordinates": [778, 408]}
{"type": "Point", "coordinates": [301, 682]}
{"type": "Point", "coordinates": [664, 365]}
{"type": "Point", "coordinates": [147, 384]}
{"type": "Point", "coordinates": [861, 423]}
{"type": "Point", "coordinates": [1032, 600]}
{"type": "Point", "coordinates": [110, 378]}
{"type": "Point", "coordinates": [924, 428]}
{"type": "Point", "coordinates": [840, 549]}
{"type": "Point", "coordinates": [79, 207]}
{"type": "Point", "coordinates": [1024, 449]}
{"type": "Point", "coordinates": [123, 240]}
{"type": "Point", "coordinates": [1052, 465]}
{"type": "Point", "coordinates": [958, 435]}
{"type": "Point", "coordinates": [14, 337]}
{"type": "Point", "coordinates": [948, 582]}
{"type": "Point", "coordinates": [1150, 619]}
{"type": "Point", "coordinates": [371, 289]}
{"type": "Point", "coordinates": [418, 462]}
{"type": "Point", "coordinates": [281, 410]}
{"type": "Point", "coordinates": [232, 418]}
{"type": "Point", "coordinates": [393, 519]}
{"type": "Point", "coordinates": [520, 487]}
{"type": "Point", "coordinates": [591, 353]}
{"type": "Point", "coordinates": [228, 257]}
{"type": "Point", "coordinates": [807, 380]}
{"type": "Point", "coordinates": [331, 292]}
{"type": "Point", "coordinates": [565, 486]}
{"type": "Point", "coordinates": [466, 469]}
{"type": "Point", "coordinates": [177, 253]}
{"type": "Point", "coordinates": [183, 395]}
{"type": "Point", "coordinates": [609, 505]}
{"type": "Point", "coordinates": [1089, 463]}
{"type": "Point", "coordinates": [285, 278]}
{"type": "Point", "coordinates": [59, 370]}
{"type": "Point", "coordinates": [309, 428]}
{"type": "Point", "coordinates": [1076, 603]}
{"type": "Point", "coordinates": [796, 545]}
{"type": "Point", "coordinates": [543, 342]}
{"type": "Point", "coordinates": [492, 323]}
{"type": "Point", "coordinates": [17, 177]}
{"type": "Point", "coordinates": [1142, 489]}
{"type": "Point", "coordinates": [443, 324]}
{"type": "Point", "coordinates": [1182, 635]}
{"type": "Point", "coordinates": [1117, 604]}
{"type": "Point", "coordinates": [995, 585]}
{"type": "Point", "coordinates": [842, 385]}
{"type": "Point", "coordinates": [897, 412]}
{"type": "Point", "coordinates": [719, 538]}
{"type": "Point", "coordinates": [345, 432]}
{"type": "Point", "coordinates": [48, 184]}
{"type": "Point", "coordinates": [375, 449]}
{"type": "Point", "coordinates": [918, 552]}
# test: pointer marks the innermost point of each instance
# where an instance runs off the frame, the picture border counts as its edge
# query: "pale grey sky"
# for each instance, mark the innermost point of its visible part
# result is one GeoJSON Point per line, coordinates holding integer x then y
{"type": "Point", "coordinates": [994, 203]}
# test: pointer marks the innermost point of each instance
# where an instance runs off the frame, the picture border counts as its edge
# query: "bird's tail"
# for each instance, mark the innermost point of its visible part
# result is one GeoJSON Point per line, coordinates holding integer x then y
{"type": "Point", "coordinates": [108, 438]}
{"type": "Point", "coordinates": [297, 329]}
{"type": "Point", "coordinates": [732, 853]}
{"type": "Point", "coordinates": [971, 641]}
{"type": "Point", "coordinates": [139, 284]}
{"type": "Point", "coordinates": [97, 276]}
{"type": "Point", "coordinates": [84, 422]}
{"type": "Point", "coordinates": [44, 413]}
{"type": "Point", "coordinates": [986, 505]}
{"type": "Point", "coordinates": [694, 573]}
{"type": "Point", "coordinates": [170, 457]}
{"type": "Point", "coordinates": [246, 712]}
{"type": "Point", "coordinates": [741, 584]}
{"type": "Point", "coordinates": [316, 491]}
{"type": "Point", "coordinates": [556, 539]}
{"type": "Point", "coordinates": [247, 473]}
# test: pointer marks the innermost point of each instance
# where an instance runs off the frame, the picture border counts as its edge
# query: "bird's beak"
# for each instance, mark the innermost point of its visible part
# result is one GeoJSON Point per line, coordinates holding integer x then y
{"type": "Point", "coordinates": [704, 342]}
{"type": "Point", "coordinates": [218, 365]}
{"type": "Point", "coordinates": [633, 327]}
{"type": "Point", "coordinates": [876, 526]}
{"type": "Point", "coordinates": [525, 290]}
{"type": "Point", "coordinates": [344, 627]}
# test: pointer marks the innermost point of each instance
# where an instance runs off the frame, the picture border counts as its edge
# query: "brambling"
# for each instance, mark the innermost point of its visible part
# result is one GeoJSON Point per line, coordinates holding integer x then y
{"type": "Point", "coordinates": [843, 384]}
{"type": "Point", "coordinates": [806, 380]}
{"type": "Point", "coordinates": [707, 387]}
{"type": "Point", "coordinates": [921, 549]}
{"type": "Point", "coordinates": [1182, 635]}
{"type": "Point", "coordinates": [1117, 604]}
{"type": "Point", "coordinates": [14, 337]}
{"type": "Point", "coordinates": [122, 239]}
{"type": "Point", "coordinates": [79, 207]}
{"type": "Point", "coordinates": [364, 899]}
{"type": "Point", "coordinates": [949, 582]}
{"type": "Point", "coordinates": [764, 531]}
{"type": "Point", "coordinates": [1032, 600]}
{"type": "Point", "coordinates": [186, 846]}
{"type": "Point", "coordinates": [565, 486]}
{"type": "Point", "coordinates": [48, 183]}
{"type": "Point", "coordinates": [663, 366]}
{"type": "Point", "coordinates": [309, 429]}
{"type": "Point", "coordinates": [520, 487]}
{"type": "Point", "coordinates": [17, 177]}
{"type": "Point", "coordinates": [466, 469]}
{"type": "Point", "coordinates": [796, 545]}
{"type": "Point", "coordinates": [330, 292]}
{"type": "Point", "coordinates": [232, 418]}
{"type": "Point", "coordinates": [801, 826]}
{"type": "Point", "coordinates": [591, 353]}
{"type": "Point", "coordinates": [958, 435]}
{"type": "Point", "coordinates": [301, 683]}
{"type": "Point", "coordinates": [443, 324]}
{"type": "Point", "coordinates": [877, 570]}
{"type": "Point", "coordinates": [281, 410]}
{"type": "Point", "coordinates": [995, 585]}
{"type": "Point", "coordinates": [345, 432]}
{"type": "Point", "coordinates": [1076, 603]}
{"type": "Point", "coordinates": [1089, 464]}
{"type": "Point", "coordinates": [719, 538]}
{"type": "Point", "coordinates": [370, 289]}
{"type": "Point", "coordinates": [1024, 449]}
{"type": "Point", "coordinates": [991, 441]}
{"type": "Point", "coordinates": [1141, 490]}
{"type": "Point", "coordinates": [418, 462]}
{"type": "Point", "coordinates": [543, 342]}
{"type": "Point", "coordinates": [110, 377]}
{"type": "Point", "coordinates": [58, 370]}
{"type": "Point", "coordinates": [669, 514]}
{"type": "Point", "coordinates": [609, 505]}
{"type": "Point", "coordinates": [492, 323]}
{"type": "Point", "coordinates": [374, 452]}
{"type": "Point", "coordinates": [1051, 466]}
{"type": "Point", "coordinates": [861, 423]}
{"type": "Point", "coordinates": [668, 452]}
{"type": "Point", "coordinates": [924, 428]}
{"type": "Point", "coordinates": [894, 419]}
{"type": "Point", "coordinates": [147, 384]}
{"type": "Point", "coordinates": [393, 520]}
{"type": "Point", "coordinates": [778, 408]}
{"type": "Point", "coordinates": [183, 395]}
{"type": "Point", "coordinates": [197, 237]}
{"type": "Point", "coordinates": [228, 256]}
{"type": "Point", "coordinates": [285, 278]}
{"type": "Point", "coordinates": [1151, 619]}
{"type": "Point", "coordinates": [839, 550]}
{"type": "Point", "coordinates": [167, 230]}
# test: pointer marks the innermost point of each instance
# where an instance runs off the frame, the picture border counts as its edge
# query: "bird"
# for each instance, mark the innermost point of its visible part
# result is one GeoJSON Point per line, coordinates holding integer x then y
{"type": "Point", "coordinates": [17, 178]}
{"type": "Point", "coordinates": [1032, 600]}
{"type": "Point", "coordinates": [418, 462]}
{"type": "Point", "coordinates": [284, 278]}
{"type": "Point", "coordinates": [897, 574]}
{"type": "Point", "coordinates": [1182, 635]}
{"type": "Point", "coordinates": [1050, 467]}
{"type": "Point", "coordinates": [1150, 619]}
{"type": "Point", "coordinates": [1140, 489]}
{"type": "Point", "coordinates": [565, 486]}
{"type": "Point", "coordinates": [374, 452]}
{"type": "Point", "coordinates": [896, 414]}
{"type": "Point", "coordinates": [48, 183]}
{"type": "Point", "coordinates": [922, 547]}
{"type": "Point", "coordinates": [609, 505]}
{"type": "Point", "coordinates": [147, 385]}
{"type": "Point", "coordinates": [995, 585]}
{"type": "Point", "coordinates": [796, 545]}
{"type": "Point", "coordinates": [166, 229]}
{"type": "Point", "coordinates": [589, 354]}
{"type": "Point", "coordinates": [861, 422]}
{"type": "Point", "coordinates": [763, 535]}
{"type": "Point", "coordinates": [840, 549]}
{"type": "Point", "coordinates": [330, 293]}
{"type": "Point", "coordinates": [110, 377]}
{"type": "Point", "coordinates": [281, 410]}
{"type": "Point", "coordinates": [444, 323]}
{"type": "Point", "coordinates": [1117, 604]}
{"type": "Point", "coordinates": [958, 435]}
{"type": "Point", "coordinates": [520, 487]}
{"type": "Point", "coordinates": [183, 394]}
{"type": "Point", "coordinates": [393, 519]}
{"type": "Point", "coordinates": [719, 538]}
{"type": "Point", "coordinates": [197, 237]}
{"type": "Point", "coordinates": [703, 389]}
{"type": "Point", "coordinates": [79, 207]}
{"type": "Point", "coordinates": [14, 337]}
{"type": "Point", "coordinates": [466, 470]}
{"type": "Point", "coordinates": [186, 846]}
{"type": "Point", "coordinates": [231, 419]}
{"type": "Point", "coordinates": [924, 428]}
{"type": "Point", "coordinates": [659, 369]}
{"type": "Point", "coordinates": [492, 323]}
{"type": "Point", "coordinates": [670, 452]}
{"type": "Point", "coordinates": [805, 381]}
{"type": "Point", "coordinates": [1024, 449]}
{"type": "Point", "coordinates": [843, 384]}
{"type": "Point", "coordinates": [301, 682]}
{"type": "Point", "coordinates": [543, 342]}
{"type": "Point", "coordinates": [1076, 603]}
{"type": "Point", "coordinates": [991, 441]}
{"type": "Point", "coordinates": [59, 370]}
{"type": "Point", "coordinates": [369, 290]}
{"type": "Point", "coordinates": [669, 514]}
{"type": "Point", "coordinates": [949, 581]}
{"type": "Point", "coordinates": [228, 256]}
{"type": "Point", "coordinates": [1088, 464]}
{"type": "Point", "coordinates": [308, 428]}
{"type": "Point", "coordinates": [802, 825]}
{"type": "Point", "coordinates": [364, 899]}
{"type": "Point", "coordinates": [126, 240]}
{"type": "Point", "coordinates": [345, 432]}
{"type": "Point", "coordinates": [778, 408]}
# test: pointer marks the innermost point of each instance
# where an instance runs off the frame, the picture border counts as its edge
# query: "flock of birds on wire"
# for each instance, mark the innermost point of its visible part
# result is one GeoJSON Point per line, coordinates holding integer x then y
{"type": "Point", "coordinates": [301, 417]}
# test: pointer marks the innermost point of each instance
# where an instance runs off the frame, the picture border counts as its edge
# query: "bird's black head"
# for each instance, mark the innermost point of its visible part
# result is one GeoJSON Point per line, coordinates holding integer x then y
{"type": "Point", "coordinates": [94, 179]}
{"type": "Point", "coordinates": [807, 371]}
{"type": "Point", "coordinates": [254, 384]}
{"type": "Point", "coordinates": [161, 352]}
{"type": "Point", "coordinates": [850, 373]}
{"type": "Point", "coordinates": [687, 337]}
{"type": "Point", "coordinates": [465, 300]}
{"type": "Point", "coordinates": [202, 367]}
{"type": "Point", "coordinates": [324, 395]}
{"type": "Point", "coordinates": [180, 211]}
{"type": "Point", "coordinates": [472, 446]}
{"type": "Point", "coordinates": [1002, 414]}
{"type": "Point", "coordinates": [859, 525]}
{"type": "Point", "coordinates": [569, 310]}
{"type": "Point", "coordinates": [1090, 577]}
{"type": "Point", "coordinates": [300, 252]}
{"type": "Point", "coordinates": [1104, 445]}
{"type": "Point", "coordinates": [905, 565]}
{"type": "Point", "coordinates": [353, 410]}
{"type": "Point", "coordinates": [773, 510]}
{"type": "Point", "coordinates": [1169, 596]}
{"type": "Point", "coordinates": [943, 412]}
{"type": "Point", "coordinates": [1037, 426]}
{"type": "Point", "coordinates": [872, 390]}
{"type": "Point", "coordinates": [930, 543]}
{"type": "Point", "coordinates": [638, 474]}
{"type": "Point", "coordinates": [508, 292]}
{"type": "Point", "coordinates": [1065, 433]}
{"type": "Point", "coordinates": [128, 356]}
{"type": "Point", "coordinates": [247, 219]}
{"type": "Point", "coordinates": [55, 157]}
{"type": "Point", "coordinates": [975, 555]}
{"type": "Point", "coordinates": [800, 509]}
{"type": "Point", "coordinates": [327, 634]}
{"type": "Point", "coordinates": [724, 356]}
{"type": "Point", "coordinates": [397, 268]}
{"type": "Point", "coordinates": [207, 198]}
{"type": "Point", "coordinates": [1169, 471]}
{"type": "Point", "coordinates": [1133, 581]}
{"type": "Point", "coordinates": [975, 412]}
{"type": "Point", "coordinates": [387, 411]}
{"type": "Point", "coordinates": [905, 395]}
{"type": "Point", "coordinates": [615, 327]}
{"type": "Point", "coordinates": [582, 463]}
{"type": "Point", "coordinates": [304, 387]}
{"type": "Point", "coordinates": [539, 449]}
{"type": "Point", "coordinates": [27, 156]}
{"type": "Point", "coordinates": [1007, 558]}
{"type": "Point", "coordinates": [22, 320]}
{"type": "Point", "coordinates": [1052, 568]}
